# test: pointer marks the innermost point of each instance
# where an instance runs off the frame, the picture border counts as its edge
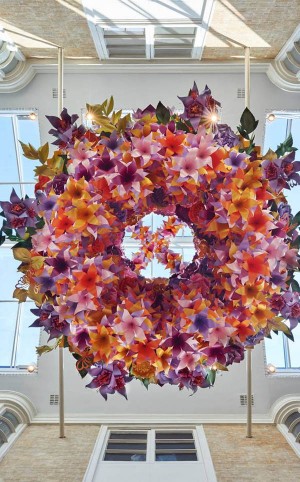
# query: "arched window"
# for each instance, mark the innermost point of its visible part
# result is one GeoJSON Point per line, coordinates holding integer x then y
{"type": "Point", "coordinates": [16, 412]}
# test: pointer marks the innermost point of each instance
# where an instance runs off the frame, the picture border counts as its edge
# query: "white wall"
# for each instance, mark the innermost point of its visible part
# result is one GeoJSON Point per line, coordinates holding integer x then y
{"type": "Point", "coordinates": [132, 91]}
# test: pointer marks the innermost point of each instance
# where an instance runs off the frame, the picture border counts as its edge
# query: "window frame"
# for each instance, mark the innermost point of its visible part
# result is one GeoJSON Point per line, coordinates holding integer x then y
{"type": "Point", "coordinates": [151, 440]}
{"type": "Point", "coordinates": [15, 114]}
{"type": "Point", "coordinates": [288, 369]}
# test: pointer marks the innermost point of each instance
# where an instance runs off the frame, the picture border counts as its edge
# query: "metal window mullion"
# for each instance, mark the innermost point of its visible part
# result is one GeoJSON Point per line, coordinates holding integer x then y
{"type": "Point", "coordinates": [14, 182]}
{"type": "Point", "coordinates": [16, 336]}
{"type": "Point", "coordinates": [289, 123]}
{"type": "Point", "coordinates": [151, 446]}
{"type": "Point", "coordinates": [17, 149]}
{"type": "Point", "coordinates": [286, 351]}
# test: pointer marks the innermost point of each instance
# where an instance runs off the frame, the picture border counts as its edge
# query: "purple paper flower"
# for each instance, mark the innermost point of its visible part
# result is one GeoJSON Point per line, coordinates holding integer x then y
{"type": "Point", "coordinates": [195, 105]}
{"type": "Point", "coordinates": [20, 213]}
{"type": "Point", "coordinates": [202, 323]}
{"type": "Point", "coordinates": [225, 136]}
{"type": "Point", "coordinates": [215, 353]}
{"type": "Point", "coordinates": [178, 341]}
{"type": "Point", "coordinates": [236, 160]}
{"type": "Point", "coordinates": [109, 378]}
{"type": "Point", "coordinates": [65, 128]}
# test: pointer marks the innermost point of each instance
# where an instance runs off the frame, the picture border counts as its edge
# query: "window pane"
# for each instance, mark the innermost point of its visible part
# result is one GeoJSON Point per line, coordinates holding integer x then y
{"type": "Point", "coordinates": [274, 350]}
{"type": "Point", "coordinates": [29, 132]}
{"type": "Point", "coordinates": [295, 348]}
{"type": "Point", "coordinates": [29, 189]}
{"type": "Point", "coordinates": [295, 131]}
{"type": "Point", "coordinates": [126, 457]}
{"type": "Point", "coordinates": [175, 446]}
{"type": "Point", "coordinates": [188, 254]}
{"type": "Point", "coordinates": [28, 337]}
{"type": "Point", "coordinates": [275, 133]}
{"type": "Point", "coordinates": [5, 428]}
{"type": "Point", "coordinates": [8, 316]}
{"type": "Point", "coordinates": [9, 275]}
{"type": "Point", "coordinates": [174, 435]}
{"type": "Point", "coordinates": [8, 157]}
{"type": "Point", "coordinates": [191, 457]}
{"type": "Point", "coordinates": [126, 446]}
{"type": "Point", "coordinates": [129, 436]}
{"type": "Point", "coordinates": [12, 418]}
{"type": "Point", "coordinates": [6, 189]}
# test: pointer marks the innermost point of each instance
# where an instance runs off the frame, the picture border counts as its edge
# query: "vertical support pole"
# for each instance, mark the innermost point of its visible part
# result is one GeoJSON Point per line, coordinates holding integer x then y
{"type": "Point", "coordinates": [61, 349]}
{"type": "Point", "coordinates": [248, 348]}
{"type": "Point", "coordinates": [249, 390]}
{"type": "Point", "coordinates": [247, 77]}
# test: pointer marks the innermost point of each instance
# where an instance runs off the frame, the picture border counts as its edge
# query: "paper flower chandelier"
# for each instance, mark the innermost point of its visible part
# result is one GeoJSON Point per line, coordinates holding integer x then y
{"type": "Point", "coordinates": [101, 181]}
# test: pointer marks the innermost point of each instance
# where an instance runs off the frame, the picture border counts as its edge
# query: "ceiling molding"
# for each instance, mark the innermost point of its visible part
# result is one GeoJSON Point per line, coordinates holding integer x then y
{"type": "Point", "coordinates": [279, 76]}
{"type": "Point", "coordinates": [26, 71]}
{"type": "Point", "coordinates": [148, 419]}
{"type": "Point", "coordinates": [284, 71]}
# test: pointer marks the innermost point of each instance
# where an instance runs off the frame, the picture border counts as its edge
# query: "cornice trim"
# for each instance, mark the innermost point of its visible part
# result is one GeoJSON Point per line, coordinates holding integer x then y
{"type": "Point", "coordinates": [26, 71]}
{"type": "Point", "coordinates": [20, 403]}
{"type": "Point", "coordinates": [279, 77]}
{"type": "Point", "coordinates": [148, 419]}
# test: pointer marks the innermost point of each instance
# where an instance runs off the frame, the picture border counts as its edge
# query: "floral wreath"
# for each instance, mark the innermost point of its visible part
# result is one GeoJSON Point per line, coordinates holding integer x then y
{"type": "Point", "coordinates": [103, 180]}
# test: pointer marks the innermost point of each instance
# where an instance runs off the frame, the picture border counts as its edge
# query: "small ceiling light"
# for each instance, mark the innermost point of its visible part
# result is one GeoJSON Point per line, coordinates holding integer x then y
{"type": "Point", "coordinates": [32, 116]}
{"type": "Point", "coordinates": [89, 116]}
{"type": "Point", "coordinates": [31, 368]}
{"type": "Point", "coordinates": [271, 117]}
{"type": "Point", "coordinates": [271, 368]}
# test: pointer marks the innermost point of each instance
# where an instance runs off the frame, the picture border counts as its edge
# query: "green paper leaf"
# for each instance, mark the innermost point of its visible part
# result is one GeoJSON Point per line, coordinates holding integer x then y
{"type": "Point", "coordinates": [296, 219]}
{"type": "Point", "coordinates": [82, 373]}
{"type": "Point", "coordinates": [2, 237]}
{"type": "Point", "coordinates": [162, 114]}
{"type": "Point", "coordinates": [181, 126]}
{"type": "Point", "coordinates": [248, 122]}
{"type": "Point", "coordinates": [286, 146]}
{"type": "Point", "coordinates": [242, 132]}
{"type": "Point", "coordinates": [295, 286]}
{"type": "Point", "coordinates": [211, 376]}
{"type": "Point", "coordinates": [146, 382]}
{"type": "Point", "coordinates": [289, 335]}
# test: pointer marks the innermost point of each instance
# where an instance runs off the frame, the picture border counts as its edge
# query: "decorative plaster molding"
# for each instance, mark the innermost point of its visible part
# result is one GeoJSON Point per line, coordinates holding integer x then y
{"type": "Point", "coordinates": [150, 419]}
{"type": "Point", "coordinates": [279, 76]}
{"type": "Point", "coordinates": [26, 71]}
{"type": "Point", "coordinates": [20, 403]}
{"type": "Point", "coordinates": [283, 407]}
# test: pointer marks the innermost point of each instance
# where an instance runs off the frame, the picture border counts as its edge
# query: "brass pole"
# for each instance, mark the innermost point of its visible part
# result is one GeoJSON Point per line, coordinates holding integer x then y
{"type": "Point", "coordinates": [61, 349]}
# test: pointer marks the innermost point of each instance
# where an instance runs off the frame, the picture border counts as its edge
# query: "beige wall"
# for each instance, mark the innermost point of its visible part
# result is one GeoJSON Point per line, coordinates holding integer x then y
{"type": "Point", "coordinates": [39, 455]}
{"type": "Point", "coordinates": [267, 457]}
